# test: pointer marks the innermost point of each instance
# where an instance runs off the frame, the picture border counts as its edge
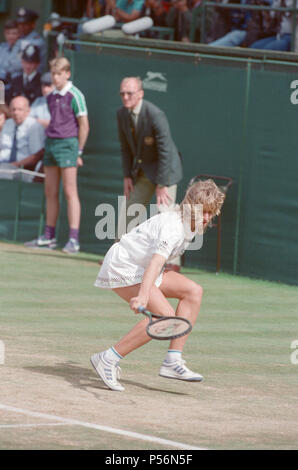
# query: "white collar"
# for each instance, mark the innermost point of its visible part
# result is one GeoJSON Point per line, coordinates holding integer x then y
{"type": "Point", "coordinates": [31, 76]}
{"type": "Point", "coordinates": [64, 90]}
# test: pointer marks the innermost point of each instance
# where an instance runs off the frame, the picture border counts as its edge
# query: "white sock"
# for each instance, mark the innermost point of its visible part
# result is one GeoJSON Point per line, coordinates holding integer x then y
{"type": "Point", "coordinates": [112, 356]}
{"type": "Point", "coordinates": [173, 355]}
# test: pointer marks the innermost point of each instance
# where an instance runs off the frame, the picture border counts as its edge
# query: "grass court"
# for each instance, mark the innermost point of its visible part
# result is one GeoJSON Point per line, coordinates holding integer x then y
{"type": "Point", "coordinates": [53, 320]}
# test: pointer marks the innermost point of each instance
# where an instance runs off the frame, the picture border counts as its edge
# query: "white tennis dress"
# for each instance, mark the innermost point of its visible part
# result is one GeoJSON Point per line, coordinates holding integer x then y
{"type": "Point", "coordinates": [127, 260]}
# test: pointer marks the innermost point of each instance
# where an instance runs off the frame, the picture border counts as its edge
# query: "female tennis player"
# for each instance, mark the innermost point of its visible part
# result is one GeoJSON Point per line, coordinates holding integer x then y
{"type": "Point", "coordinates": [134, 269]}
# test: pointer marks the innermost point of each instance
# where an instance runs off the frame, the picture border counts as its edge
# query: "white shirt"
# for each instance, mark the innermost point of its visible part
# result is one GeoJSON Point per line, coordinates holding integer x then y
{"type": "Point", "coordinates": [28, 78]}
{"type": "Point", "coordinates": [30, 139]}
{"type": "Point", "coordinates": [136, 111]}
{"type": "Point", "coordinates": [127, 260]}
{"type": "Point", "coordinates": [162, 234]}
{"type": "Point", "coordinates": [10, 62]}
{"type": "Point", "coordinates": [39, 109]}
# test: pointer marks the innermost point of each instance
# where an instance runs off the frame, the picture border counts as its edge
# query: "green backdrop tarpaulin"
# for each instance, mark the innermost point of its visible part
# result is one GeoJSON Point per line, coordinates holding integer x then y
{"type": "Point", "coordinates": [225, 122]}
{"type": "Point", "coordinates": [192, 100]}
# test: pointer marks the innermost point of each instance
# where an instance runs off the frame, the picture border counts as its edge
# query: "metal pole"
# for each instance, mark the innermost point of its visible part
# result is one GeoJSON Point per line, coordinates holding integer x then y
{"type": "Point", "coordinates": [42, 216]}
{"type": "Point", "coordinates": [293, 38]}
{"type": "Point", "coordinates": [218, 258]}
{"type": "Point", "coordinates": [242, 155]}
{"type": "Point", "coordinates": [17, 216]}
{"type": "Point", "coordinates": [60, 209]}
{"type": "Point", "coordinates": [203, 23]}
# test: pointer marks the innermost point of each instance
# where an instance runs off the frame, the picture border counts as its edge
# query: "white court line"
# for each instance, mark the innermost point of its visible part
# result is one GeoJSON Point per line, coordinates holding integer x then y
{"type": "Point", "coordinates": [30, 425]}
{"type": "Point", "coordinates": [121, 432]}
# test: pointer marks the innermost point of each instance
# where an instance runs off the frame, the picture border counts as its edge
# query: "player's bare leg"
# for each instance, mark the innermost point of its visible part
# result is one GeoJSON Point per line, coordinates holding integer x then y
{"type": "Point", "coordinates": [52, 182]}
{"type": "Point", "coordinates": [106, 363]}
{"type": "Point", "coordinates": [189, 294]}
{"type": "Point", "coordinates": [69, 177]}
{"type": "Point", "coordinates": [137, 336]}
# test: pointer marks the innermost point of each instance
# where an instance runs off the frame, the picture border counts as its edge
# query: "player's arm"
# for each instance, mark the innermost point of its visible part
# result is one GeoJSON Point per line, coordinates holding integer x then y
{"type": "Point", "coordinates": [150, 276]}
{"type": "Point", "coordinates": [36, 138]}
{"type": "Point", "coordinates": [31, 160]}
{"type": "Point", "coordinates": [124, 17]}
{"type": "Point", "coordinates": [163, 138]}
{"type": "Point", "coordinates": [43, 122]}
{"type": "Point", "coordinates": [83, 133]}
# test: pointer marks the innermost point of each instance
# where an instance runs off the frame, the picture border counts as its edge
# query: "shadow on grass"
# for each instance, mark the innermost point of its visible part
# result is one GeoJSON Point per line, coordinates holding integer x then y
{"type": "Point", "coordinates": [83, 378]}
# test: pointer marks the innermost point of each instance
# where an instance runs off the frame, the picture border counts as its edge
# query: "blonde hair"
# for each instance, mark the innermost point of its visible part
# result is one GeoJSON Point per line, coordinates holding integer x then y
{"type": "Point", "coordinates": [204, 195]}
{"type": "Point", "coordinates": [60, 64]}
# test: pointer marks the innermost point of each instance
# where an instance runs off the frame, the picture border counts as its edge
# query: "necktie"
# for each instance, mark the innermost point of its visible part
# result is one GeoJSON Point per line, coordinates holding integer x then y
{"type": "Point", "coordinates": [13, 153]}
{"type": "Point", "coordinates": [133, 126]}
{"type": "Point", "coordinates": [134, 119]}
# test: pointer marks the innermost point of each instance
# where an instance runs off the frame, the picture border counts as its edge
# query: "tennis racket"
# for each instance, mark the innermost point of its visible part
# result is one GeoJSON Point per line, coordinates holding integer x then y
{"type": "Point", "coordinates": [166, 327]}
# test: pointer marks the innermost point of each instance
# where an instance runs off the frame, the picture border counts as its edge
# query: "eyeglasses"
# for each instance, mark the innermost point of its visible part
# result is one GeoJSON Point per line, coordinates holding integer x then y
{"type": "Point", "coordinates": [128, 93]}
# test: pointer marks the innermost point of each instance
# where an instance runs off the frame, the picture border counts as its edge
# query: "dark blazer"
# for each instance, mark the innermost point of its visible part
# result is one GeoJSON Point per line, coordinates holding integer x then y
{"type": "Point", "coordinates": [155, 152]}
{"type": "Point", "coordinates": [32, 90]}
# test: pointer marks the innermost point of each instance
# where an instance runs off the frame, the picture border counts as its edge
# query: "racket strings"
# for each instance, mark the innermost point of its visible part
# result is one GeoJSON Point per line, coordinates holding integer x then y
{"type": "Point", "coordinates": [168, 327]}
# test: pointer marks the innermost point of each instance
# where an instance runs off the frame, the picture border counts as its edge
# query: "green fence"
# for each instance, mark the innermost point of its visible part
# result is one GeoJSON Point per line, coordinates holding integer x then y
{"type": "Point", "coordinates": [230, 116]}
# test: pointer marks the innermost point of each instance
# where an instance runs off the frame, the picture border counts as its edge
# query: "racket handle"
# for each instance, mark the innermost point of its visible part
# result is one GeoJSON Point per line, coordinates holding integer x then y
{"type": "Point", "coordinates": [149, 314]}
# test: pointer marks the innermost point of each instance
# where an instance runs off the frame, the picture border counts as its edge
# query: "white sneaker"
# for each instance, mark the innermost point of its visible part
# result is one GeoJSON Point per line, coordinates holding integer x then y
{"type": "Point", "coordinates": [72, 247]}
{"type": "Point", "coordinates": [178, 370]}
{"type": "Point", "coordinates": [109, 373]}
{"type": "Point", "coordinates": [42, 242]}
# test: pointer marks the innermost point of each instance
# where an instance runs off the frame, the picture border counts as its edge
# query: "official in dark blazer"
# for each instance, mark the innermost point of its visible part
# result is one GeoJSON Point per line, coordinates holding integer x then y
{"type": "Point", "coordinates": [28, 84]}
{"type": "Point", "coordinates": [150, 159]}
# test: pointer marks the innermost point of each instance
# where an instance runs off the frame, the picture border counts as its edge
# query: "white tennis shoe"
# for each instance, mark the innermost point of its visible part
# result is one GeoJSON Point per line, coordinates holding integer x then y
{"type": "Point", "coordinates": [178, 370]}
{"type": "Point", "coordinates": [42, 242]}
{"type": "Point", "coordinates": [108, 372]}
{"type": "Point", "coordinates": [72, 247]}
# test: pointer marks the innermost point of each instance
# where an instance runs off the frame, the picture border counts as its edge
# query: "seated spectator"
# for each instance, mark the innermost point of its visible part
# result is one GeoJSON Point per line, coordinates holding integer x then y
{"type": "Point", "coordinates": [281, 40]}
{"type": "Point", "coordinates": [94, 8]}
{"type": "Point", "coordinates": [70, 9]}
{"type": "Point", "coordinates": [195, 8]}
{"type": "Point", "coordinates": [155, 10]}
{"type": "Point", "coordinates": [237, 22]}
{"type": "Point", "coordinates": [29, 83]}
{"type": "Point", "coordinates": [26, 20]}
{"type": "Point", "coordinates": [22, 138]}
{"type": "Point", "coordinates": [262, 23]}
{"type": "Point", "coordinates": [39, 107]}
{"type": "Point", "coordinates": [221, 23]}
{"type": "Point", "coordinates": [73, 9]}
{"type": "Point", "coordinates": [10, 63]}
{"type": "Point", "coordinates": [124, 10]}
{"type": "Point", "coordinates": [4, 114]}
{"type": "Point", "coordinates": [179, 17]}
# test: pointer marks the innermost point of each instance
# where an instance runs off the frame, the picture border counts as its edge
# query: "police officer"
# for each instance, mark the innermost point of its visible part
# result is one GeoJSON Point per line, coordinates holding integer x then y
{"type": "Point", "coordinates": [29, 82]}
{"type": "Point", "coordinates": [26, 20]}
{"type": "Point", "coordinates": [10, 62]}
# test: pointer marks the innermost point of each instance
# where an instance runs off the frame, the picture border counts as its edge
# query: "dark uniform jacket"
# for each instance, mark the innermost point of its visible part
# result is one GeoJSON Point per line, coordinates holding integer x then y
{"type": "Point", "coordinates": [32, 90]}
{"type": "Point", "coordinates": [154, 151]}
